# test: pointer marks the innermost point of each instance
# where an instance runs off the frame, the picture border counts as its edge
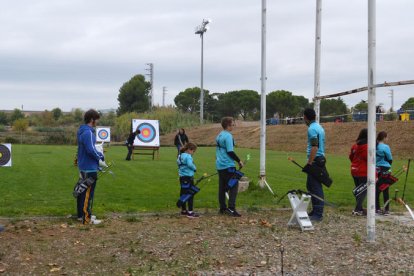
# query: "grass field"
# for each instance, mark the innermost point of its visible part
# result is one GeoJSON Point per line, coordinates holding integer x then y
{"type": "Point", "coordinates": [41, 180]}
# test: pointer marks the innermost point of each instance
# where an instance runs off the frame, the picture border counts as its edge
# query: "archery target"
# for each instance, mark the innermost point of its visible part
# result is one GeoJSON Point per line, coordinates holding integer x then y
{"type": "Point", "coordinates": [5, 155]}
{"type": "Point", "coordinates": [149, 135]}
{"type": "Point", "coordinates": [103, 134]}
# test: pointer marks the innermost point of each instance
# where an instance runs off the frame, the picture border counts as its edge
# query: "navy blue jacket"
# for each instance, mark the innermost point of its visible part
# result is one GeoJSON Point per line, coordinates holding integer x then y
{"type": "Point", "coordinates": [88, 156]}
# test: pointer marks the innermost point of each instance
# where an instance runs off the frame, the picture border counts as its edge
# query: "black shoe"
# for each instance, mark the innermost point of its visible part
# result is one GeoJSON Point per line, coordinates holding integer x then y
{"type": "Point", "coordinates": [184, 212]}
{"type": "Point", "coordinates": [192, 215]}
{"type": "Point", "coordinates": [315, 218]}
{"type": "Point", "coordinates": [232, 212]}
{"type": "Point", "coordinates": [222, 211]}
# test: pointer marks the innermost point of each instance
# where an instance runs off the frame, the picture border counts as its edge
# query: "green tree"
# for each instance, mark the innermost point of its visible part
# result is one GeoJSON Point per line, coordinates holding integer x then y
{"type": "Point", "coordinates": [333, 107]}
{"type": "Point", "coordinates": [189, 99]}
{"type": "Point", "coordinates": [20, 125]}
{"type": "Point", "coordinates": [107, 119]}
{"type": "Point", "coordinates": [285, 103]}
{"type": "Point", "coordinates": [3, 118]}
{"type": "Point", "coordinates": [57, 113]}
{"type": "Point", "coordinates": [409, 104]}
{"type": "Point", "coordinates": [134, 95]}
{"type": "Point", "coordinates": [242, 102]}
{"type": "Point", "coordinates": [361, 106]}
{"type": "Point", "coordinates": [46, 118]}
{"type": "Point", "coordinates": [17, 114]}
{"type": "Point", "coordinates": [77, 115]}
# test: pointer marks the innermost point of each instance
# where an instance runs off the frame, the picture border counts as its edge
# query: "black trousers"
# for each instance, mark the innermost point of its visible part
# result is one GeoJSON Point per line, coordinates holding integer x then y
{"type": "Point", "coordinates": [386, 193]}
{"type": "Point", "coordinates": [130, 148]}
{"type": "Point", "coordinates": [190, 202]}
{"type": "Point", "coordinates": [360, 199]}
{"type": "Point", "coordinates": [224, 177]}
{"type": "Point", "coordinates": [85, 199]}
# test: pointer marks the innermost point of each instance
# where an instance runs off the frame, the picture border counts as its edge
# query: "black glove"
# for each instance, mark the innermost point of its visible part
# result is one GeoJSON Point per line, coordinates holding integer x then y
{"type": "Point", "coordinates": [306, 168]}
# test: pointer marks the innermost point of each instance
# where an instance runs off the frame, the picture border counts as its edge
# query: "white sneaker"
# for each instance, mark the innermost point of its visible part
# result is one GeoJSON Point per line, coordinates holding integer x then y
{"type": "Point", "coordinates": [93, 217]}
{"type": "Point", "coordinates": [95, 221]}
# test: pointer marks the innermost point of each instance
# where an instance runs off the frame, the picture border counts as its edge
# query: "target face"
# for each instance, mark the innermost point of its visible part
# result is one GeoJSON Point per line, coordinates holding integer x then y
{"type": "Point", "coordinates": [5, 155]}
{"type": "Point", "coordinates": [149, 132]}
{"type": "Point", "coordinates": [103, 134]}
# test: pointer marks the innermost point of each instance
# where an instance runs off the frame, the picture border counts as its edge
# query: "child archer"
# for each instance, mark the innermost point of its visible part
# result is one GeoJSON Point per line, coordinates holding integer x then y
{"type": "Point", "coordinates": [186, 169]}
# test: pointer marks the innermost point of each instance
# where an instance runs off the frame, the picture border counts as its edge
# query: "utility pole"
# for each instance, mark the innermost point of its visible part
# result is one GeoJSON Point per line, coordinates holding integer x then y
{"type": "Point", "coordinates": [392, 100]}
{"type": "Point", "coordinates": [151, 75]}
{"type": "Point", "coordinates": [164, 91]}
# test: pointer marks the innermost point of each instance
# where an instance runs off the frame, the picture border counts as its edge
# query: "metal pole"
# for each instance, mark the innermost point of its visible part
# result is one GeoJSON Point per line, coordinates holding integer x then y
{"type": "Point", "coordinates": [371, 120]}
{"type": "Point", "coordinates": [201, 86]}
{"type": "Point", "coordinates": [392, 100]}
{"type": "Point", "coordinates": [263, 97]}
{"type": "Point", "coordinates": [318, 35]}
{"type": "Point", "coordinates": [164, 89]}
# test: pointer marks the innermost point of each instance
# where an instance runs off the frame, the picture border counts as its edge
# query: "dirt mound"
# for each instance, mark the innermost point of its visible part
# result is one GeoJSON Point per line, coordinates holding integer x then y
{"type": "Point", "coordinates": [339, 137]}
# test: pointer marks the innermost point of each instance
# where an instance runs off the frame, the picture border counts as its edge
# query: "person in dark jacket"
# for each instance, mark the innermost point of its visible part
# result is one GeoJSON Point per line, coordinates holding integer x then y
{"type": "Point", "coordinates": [89, 160]}
{"type": "Point", "coordinates": [180, 139]}
{"type": "Point", "coordinates": [130, 143]}
{"type": "Point", "coordinates": [359, 157]}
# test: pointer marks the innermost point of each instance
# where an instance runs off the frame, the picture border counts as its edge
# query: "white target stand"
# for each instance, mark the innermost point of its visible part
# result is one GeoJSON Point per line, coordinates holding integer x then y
{"type": "Point", "coordinates": [300, 214]}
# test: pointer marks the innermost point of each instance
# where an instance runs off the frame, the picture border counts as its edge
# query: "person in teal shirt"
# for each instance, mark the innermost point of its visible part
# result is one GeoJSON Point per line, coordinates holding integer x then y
{"type": "Point", "coordinates": [316, 157]}
{"type": "Point", "coordinates": [383, 164]}
{"type": "Point", "coordinates": [186, 170]}
{"type": "Point", "coordinates": [225, 158]}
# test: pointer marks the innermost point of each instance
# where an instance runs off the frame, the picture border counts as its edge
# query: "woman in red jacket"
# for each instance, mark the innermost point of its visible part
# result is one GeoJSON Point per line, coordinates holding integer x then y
{"type": "Point", "coordinates": [358, 157]}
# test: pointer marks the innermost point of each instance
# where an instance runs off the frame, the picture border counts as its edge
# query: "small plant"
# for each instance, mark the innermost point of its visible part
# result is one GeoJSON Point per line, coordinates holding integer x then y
{"type": "Point", "coordinates": [133, 219]}
{"type": "Point", "coordinates": [357, 238]}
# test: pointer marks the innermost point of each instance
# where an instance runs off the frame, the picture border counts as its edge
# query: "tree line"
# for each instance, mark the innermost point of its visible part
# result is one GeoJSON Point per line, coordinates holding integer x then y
{"type": "Point", "coordinates": [243, 104]}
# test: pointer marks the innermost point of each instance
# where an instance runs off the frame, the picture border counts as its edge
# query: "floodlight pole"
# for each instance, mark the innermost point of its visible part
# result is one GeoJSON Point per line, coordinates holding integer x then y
{"type": "Point", "coordinates": [262, 180]}
{"type": "Point", "coordinates": [201, 30]}
{"type": "Point", "coordinates": [371, 120]}
{"type": "Point", "coordinates": [318, 34]}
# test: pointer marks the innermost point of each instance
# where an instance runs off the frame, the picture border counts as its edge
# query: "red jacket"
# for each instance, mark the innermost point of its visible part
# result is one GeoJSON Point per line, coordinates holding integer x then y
{"type": "Point", "coordinates": [358, 157]}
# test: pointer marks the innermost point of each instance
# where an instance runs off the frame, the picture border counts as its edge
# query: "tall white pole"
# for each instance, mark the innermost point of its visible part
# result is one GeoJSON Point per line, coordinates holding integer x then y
{"type": "Point", "coordinates": [371, 120]}
{"type": "Point", "coordinates": [263, 97]}
{"type": "Point", "coordinates": [201, 88]}
{"type": "Point", "coordinates": [318, 34]}
{"type": "Point", "coordinates": [164, 91]}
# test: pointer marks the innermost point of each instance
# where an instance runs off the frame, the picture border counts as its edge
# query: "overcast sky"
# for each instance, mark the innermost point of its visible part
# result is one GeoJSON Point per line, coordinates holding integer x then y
{"type": "Point", "coordinates": [77, 53]}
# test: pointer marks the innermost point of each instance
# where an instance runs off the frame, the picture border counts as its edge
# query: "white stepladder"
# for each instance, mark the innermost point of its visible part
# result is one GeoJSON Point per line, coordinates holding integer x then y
{"type": "Point", "coordinates": [300, 215]}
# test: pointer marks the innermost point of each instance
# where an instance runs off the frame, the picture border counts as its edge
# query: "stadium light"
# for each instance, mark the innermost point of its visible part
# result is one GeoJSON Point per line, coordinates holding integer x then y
{"type": "Point", "coordinates": [200, 30]}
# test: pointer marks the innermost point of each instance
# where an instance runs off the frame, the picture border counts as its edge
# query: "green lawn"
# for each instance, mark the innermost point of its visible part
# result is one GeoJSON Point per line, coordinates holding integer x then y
{"type": "Point", "coordinates": [41, 180]}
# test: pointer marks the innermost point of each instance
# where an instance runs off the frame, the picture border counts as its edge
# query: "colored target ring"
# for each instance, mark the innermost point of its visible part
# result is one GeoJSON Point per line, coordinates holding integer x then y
{"type": "Point", "coordinates": [103, 134]}
{"type": "Point", "coordinates": [4, 155]}
{"type": "Point", "coordinates": [148, 133]}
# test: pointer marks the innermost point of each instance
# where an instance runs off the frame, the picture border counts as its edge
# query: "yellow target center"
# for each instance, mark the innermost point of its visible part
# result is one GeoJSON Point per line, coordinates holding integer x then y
{"type": "Point", "coordinates": [1, 155]}
{"type": "Point", "coordinates": [145, 133]}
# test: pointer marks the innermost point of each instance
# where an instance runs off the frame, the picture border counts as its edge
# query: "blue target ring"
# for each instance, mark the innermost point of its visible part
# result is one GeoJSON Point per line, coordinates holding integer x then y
{"type": "Point", "coordinates": [147, 133]}
{"type": "Point", "coordinates": [103, 134]}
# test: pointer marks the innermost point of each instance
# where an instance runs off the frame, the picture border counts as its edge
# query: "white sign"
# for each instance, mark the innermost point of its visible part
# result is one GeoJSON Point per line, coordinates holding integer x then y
{"type": "Point", "coordinates": [150, 134]}
{"type": "Point", "coordinates": [5, 155]}
{"type": "Point", "coordinates": [103, 134]}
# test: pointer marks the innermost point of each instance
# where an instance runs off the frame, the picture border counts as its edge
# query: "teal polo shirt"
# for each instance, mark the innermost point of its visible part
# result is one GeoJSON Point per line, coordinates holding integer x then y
{"type": "Point", "coordinates": [224, 144]}
{"type": "Point", "coordinates": [315, 130]}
